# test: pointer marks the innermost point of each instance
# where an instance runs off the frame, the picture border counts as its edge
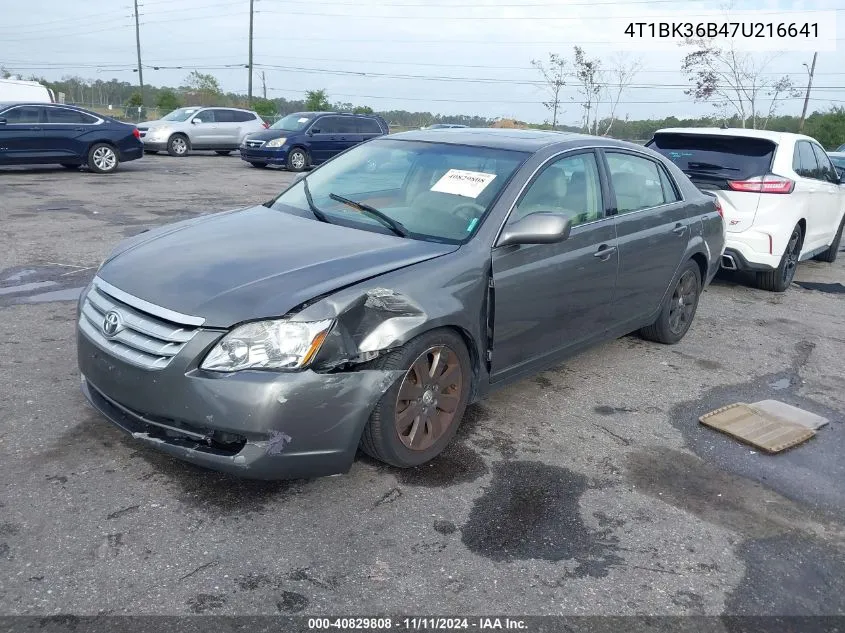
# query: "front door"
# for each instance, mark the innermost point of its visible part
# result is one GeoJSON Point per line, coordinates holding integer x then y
{"type": "Point", "coordinates": [204, 128]}
{"type": "Point", "coordinates": [552, 298]}
{"type": "Point", "coordinates": [653, 229]}
{"type": "Point", "coordinates": [63, 131]}
{"type": "Point", "coordinates": [22, 135]}
{"type": "Point", "coordinates": [830, 211]}
{"type": "Point", "coordinates": [326, 138]}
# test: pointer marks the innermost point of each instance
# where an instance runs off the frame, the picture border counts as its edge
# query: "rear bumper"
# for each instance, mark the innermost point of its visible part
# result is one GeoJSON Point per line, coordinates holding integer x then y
{"type": "Point", "coordinates": [254, 424]}
{"type": "Point", "coordinates": [749, 250]}
{"type": "Point", "coordinates": [270, 156]}
{"type": "Point", "coordinates": [131, 153]}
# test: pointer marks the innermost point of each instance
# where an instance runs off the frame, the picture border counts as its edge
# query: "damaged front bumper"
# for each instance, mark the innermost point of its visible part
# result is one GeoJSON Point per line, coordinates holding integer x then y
{"type": "Point", "coordinates": [255, 424]}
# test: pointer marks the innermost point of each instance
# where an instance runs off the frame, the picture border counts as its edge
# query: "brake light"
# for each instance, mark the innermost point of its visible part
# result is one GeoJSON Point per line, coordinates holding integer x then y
{"type": "Point", "coordinates": [136, 133]}
{"type": "Point", "coordinates": [763, 184]}
{"type": "Point", "coordinates": [719, 209]}
{"type": "Point", "coordinates": [266, 125]}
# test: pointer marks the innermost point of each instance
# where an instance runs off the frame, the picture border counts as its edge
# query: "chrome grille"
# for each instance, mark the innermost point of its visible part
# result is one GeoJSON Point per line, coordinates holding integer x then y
{"type": "Point", "coordinates": [255, 143]}
{"type": "Point", "coordinates": [141, 338]}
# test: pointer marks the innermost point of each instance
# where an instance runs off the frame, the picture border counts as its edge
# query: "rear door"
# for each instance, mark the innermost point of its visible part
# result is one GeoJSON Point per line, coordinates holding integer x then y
{"type": "Point", "coordinates": [652, 226]}
{"type": "Point", "coordinates": [64, 132]}
{"type": "Point", "coordinates": [22, 135]}
{"type": "Point", "coordinates": [810, 192]}
{"type": "Point", "coordinates": [246, 123]}
{"type": "Point", "coordinates": [228, 128]}
{"type": "Point", "coordinates": [714, 161]}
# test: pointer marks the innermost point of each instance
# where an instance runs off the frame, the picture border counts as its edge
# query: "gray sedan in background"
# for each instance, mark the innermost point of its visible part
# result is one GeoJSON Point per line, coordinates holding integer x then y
{"type": "Point", "coordinates": [367, 307]}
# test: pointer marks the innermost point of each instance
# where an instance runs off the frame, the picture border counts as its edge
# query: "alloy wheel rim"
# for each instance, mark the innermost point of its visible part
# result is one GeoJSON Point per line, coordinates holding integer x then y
{"type": "Point", "coordinates": [179, 146]}
{"type": "Point", "coordinates": [297, 159]}
{"type": "Point", "coordinates": [428, 398]}
{"type": "Point", "coordinates": [683, 303]}
{"type": "Point", "coordinates": [791, 256]}
{"type": "Point", "coordinates": [104, 158]}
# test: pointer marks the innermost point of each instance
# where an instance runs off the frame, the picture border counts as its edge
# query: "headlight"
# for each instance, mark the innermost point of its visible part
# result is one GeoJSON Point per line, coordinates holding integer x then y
{"type": "Point", "coordinates": [279, 344]}
{"type": "Point", "coordinates": [276, 142]}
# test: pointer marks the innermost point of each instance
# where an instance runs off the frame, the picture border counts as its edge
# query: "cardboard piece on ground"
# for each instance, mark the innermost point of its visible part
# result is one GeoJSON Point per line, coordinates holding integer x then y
{"type": "Point", "coordinates": [788, 413]}
{"type": "Point", "coordinates": [757, 428]}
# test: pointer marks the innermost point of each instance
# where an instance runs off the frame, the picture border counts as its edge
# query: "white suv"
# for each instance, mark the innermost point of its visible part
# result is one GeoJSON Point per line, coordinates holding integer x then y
{"type": "Point", "coordinates": [780, 194]}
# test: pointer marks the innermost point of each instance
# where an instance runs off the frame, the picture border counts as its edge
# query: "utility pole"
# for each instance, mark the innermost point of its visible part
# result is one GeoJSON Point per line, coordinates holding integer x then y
{"type": "Point", "coordinates": [264, 84]}
{"type": "Point", "coordinates": [251, 13]}
{"type": "Point", "coordinates": [138, 46]}
{"type": "Point", "coordinates": [807, 96]}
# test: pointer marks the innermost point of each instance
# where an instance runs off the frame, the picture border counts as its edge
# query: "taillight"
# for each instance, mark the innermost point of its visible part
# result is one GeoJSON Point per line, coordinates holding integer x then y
{"type": "Point", "coordinates": [136, 133]}
{"type": "Point", "coordinates": [266, 125]}
{"type": "Point", "coordinates": [763, 184]}
{"type": "Point", "coordinates": [719, 209]}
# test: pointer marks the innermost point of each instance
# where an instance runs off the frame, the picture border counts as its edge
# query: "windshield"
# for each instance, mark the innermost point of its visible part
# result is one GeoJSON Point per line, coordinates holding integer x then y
{"type": "Point", "coordinates": [292, 122]}
{"type": "Point", "coordinates": [434, 191]}
{"type": "Point", "coordinates": [181, 114]}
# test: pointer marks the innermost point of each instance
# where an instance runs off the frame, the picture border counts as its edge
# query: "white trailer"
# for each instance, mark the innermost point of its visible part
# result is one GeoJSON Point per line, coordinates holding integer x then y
{"type": "Point", "coordinates": [20, 90]}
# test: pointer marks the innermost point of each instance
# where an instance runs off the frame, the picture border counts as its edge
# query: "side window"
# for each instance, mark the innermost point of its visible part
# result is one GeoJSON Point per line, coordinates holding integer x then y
{"type": "Point", "coordinates": [570, 186]}
{"type": "Point", "coordinates": [206, 116]}
{"type": "Point", "coordinates": [24, 115]}
{"type": "Point", "coordinates": [368, 126]}
{"type": "Point", "coordinates": [327, 125]}
{"type": "Point", "coordinates": [636, 182]}
{"type": "Point", "coordinates": [804, 162]}
{"type": "Point", "coordinates": [670, 190]}
{"type": "Point", "coordinates": [346, 125]}
{"type": "Point", "coordinates": [63, 115]}
{"type": "Point", "coordinates": [826, 170]}
{"type": "Point", "coordinates": [224, 116]}
{"type": "Point", "coordinates": [242, 117]}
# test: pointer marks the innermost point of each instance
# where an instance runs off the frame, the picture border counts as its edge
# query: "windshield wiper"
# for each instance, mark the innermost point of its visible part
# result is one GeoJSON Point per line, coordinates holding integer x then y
{"type": "Point", "coordinates": [695, 165]}
{"type": "Point", "coordinates": [317, 213]}
{"type": "Point", "coordinates": [389, 222]}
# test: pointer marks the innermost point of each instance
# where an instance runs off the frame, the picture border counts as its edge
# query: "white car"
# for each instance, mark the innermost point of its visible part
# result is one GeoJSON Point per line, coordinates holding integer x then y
{"type": "Point", "coordinates": [780, 195]}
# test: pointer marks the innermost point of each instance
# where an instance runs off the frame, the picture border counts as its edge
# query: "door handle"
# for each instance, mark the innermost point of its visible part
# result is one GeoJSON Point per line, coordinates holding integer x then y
{"type": "Point", "coordinates": [679, 229]}
{"type": "Point", "coordinates": [604, 252]}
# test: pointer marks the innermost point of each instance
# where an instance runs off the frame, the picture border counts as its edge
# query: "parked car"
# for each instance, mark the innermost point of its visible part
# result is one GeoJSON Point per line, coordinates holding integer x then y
{"type": "Point", "coordinates": [303, 139]}
{"type": "Point", "coordinates": [838, 160]}
{"type": "Point", "coordinates": [779, 192]}
{"type": "Point", "coordinates": [39, 134]}
{"type": "Point", "coordinates": [210, 129]}
{"type": "Point", "coordinates": [20, 91]}
{"type": "Point", "coordinates": [271, 341]}
{"type": "Point", "coordinates": [841, 148]}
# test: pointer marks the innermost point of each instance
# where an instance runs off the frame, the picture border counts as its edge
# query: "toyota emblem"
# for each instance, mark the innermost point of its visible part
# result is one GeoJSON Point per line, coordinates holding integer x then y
{"type": "Point", "coordinates": [112, 323]}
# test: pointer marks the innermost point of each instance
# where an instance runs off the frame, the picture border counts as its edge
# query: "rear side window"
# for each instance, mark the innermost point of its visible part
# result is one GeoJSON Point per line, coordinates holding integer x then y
{"type": "Point", "coordinates": [670, 190]}
{"type": "Point", "coordinates": [368, 126]}
{"type": "Point", "coordinates": [636, 182]}
{"type": "Point", "coordinates": [224, 116]}
{"type": "Point", "coordinates": [725, 157]}
{"type": "Point", "coordinates": [62, 115]}
{"type": "Point", "coordinates": [241, 117]}
{"type": "Point", "coordinates": [23, 114]}
{"type": "Point", "coordinates": [804, 161]}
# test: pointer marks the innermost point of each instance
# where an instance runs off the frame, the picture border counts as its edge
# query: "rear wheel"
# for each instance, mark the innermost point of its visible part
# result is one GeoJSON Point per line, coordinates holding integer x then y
{"type": "Point", "coordinates": [102, 158]}
{"type": "Point", "coordinates": [297, 160]}
{"type": "Point", "coordinates": [678, 310]}
{"type": "Point", "coordinates": [223, 152]}
{"type": "Point", "coordinates": [830, 254]}
{"type": "Point", "coordinates": [257, 164]}
{"type": "Point", "coordinates": [178, 145]}
{"type": "Point", "coordinates": [779, 279]}
{"type": "Point", "coordinates": [419, 415]}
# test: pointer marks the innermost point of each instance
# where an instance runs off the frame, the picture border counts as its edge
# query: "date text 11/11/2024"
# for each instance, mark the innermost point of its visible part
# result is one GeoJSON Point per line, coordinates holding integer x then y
{"type": "Point", "coordinates": [417, 624]}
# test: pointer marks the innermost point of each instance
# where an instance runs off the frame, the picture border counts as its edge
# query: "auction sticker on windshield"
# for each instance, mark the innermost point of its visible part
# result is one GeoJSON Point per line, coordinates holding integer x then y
{"type": "Point", "coordinates": [458, 182]}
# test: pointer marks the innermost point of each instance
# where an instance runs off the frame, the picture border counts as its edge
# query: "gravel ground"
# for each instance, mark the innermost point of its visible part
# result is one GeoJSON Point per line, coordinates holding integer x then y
{"type": "Point", "coordinates": [588, 489]}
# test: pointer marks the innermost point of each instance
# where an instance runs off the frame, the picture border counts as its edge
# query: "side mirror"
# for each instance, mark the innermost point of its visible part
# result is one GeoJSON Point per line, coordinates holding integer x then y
{"type": "Point", "coordinates": [195, 120]}
{"type": "Point", "coordinates": [537, 228]}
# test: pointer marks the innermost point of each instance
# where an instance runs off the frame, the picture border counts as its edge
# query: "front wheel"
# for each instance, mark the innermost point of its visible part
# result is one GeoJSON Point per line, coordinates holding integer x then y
{"type": "Point", "coordinates": [102, 158]}
{"type": "Point", "coordinates": [678, 310]}
{"type": "Point", "coordinates": [178, 145]}
{"type": "Point", "coordinates": [779, 279]}
{"type": "Point", "coordinates": [297, 160]}
{"type": "Point", "coordinates": [419, 415]}
{"type": "Point", "coordinates": [830, 254]}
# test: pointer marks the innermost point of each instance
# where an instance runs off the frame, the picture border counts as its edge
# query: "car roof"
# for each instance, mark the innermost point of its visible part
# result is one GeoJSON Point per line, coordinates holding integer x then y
{"type": "Point", "coordinates": [502, 138]}
{"type": "Point", "coordinates": [46, 103]}
{"type": "Point", "coordinates": [776, 137]}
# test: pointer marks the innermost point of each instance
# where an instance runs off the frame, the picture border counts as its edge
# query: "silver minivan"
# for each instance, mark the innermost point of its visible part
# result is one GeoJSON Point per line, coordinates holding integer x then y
{"type": "Point", "coordinates": [199, 128]}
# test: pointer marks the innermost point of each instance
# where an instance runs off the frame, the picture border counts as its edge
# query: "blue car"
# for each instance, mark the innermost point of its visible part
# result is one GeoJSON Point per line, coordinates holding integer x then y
{"type": "Point", "coordinates": [45, 133]}
{"type": "Point", "coordinates": [302, 139]}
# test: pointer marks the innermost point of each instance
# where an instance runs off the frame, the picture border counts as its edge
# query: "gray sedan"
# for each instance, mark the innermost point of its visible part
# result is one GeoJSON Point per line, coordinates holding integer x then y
{"type": "Point", "coordinates": [367, 307]}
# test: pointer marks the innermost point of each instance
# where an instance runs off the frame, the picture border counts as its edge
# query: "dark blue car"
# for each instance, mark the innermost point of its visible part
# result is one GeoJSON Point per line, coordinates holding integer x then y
{"type": "Point", "coordinates": [45, 133]}
{"type": "Point", "coordinates": [302, 139]}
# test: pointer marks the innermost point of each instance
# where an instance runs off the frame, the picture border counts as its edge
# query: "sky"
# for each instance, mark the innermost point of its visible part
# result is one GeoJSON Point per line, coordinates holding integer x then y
{"type": "Point", "coordinates": [442, 56]}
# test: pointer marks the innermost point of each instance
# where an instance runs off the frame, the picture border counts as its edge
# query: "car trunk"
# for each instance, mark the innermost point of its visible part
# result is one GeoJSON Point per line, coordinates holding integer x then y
{"type": "Point", "coordinates": [712, 161]}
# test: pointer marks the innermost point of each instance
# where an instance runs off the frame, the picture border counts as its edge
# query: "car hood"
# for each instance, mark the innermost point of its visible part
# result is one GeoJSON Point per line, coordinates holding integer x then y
{"type": "Point", "coordinates": [254, 263]}
{"type": "Point", "coordinates": [268, 135]}
{"type": "Point", "coordinates": [159, 123]}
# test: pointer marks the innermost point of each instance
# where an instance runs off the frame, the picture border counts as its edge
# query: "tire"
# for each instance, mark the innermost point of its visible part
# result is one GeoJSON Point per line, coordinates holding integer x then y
{"type": "Point", "coordinates": [102, 158]}
{"type": "Point", "coordinates": [830, 254]}
{"type": "Point", "coordinates": [779, 279]}
{"type": "Point", "coordinates": [258, 164]}
{"type": "Point", "coordinates": [223, 152]}
{"type": "Point", "coordinates": [178, 145]}
{"type": "Point", "coordinates": [69, 166]}
{"type": "Point", "coordinates": [435, 427]}
{"type": "Point", "coordinates": [678, 309]}
{"type": "Point", "coordinates": [297, 159]}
